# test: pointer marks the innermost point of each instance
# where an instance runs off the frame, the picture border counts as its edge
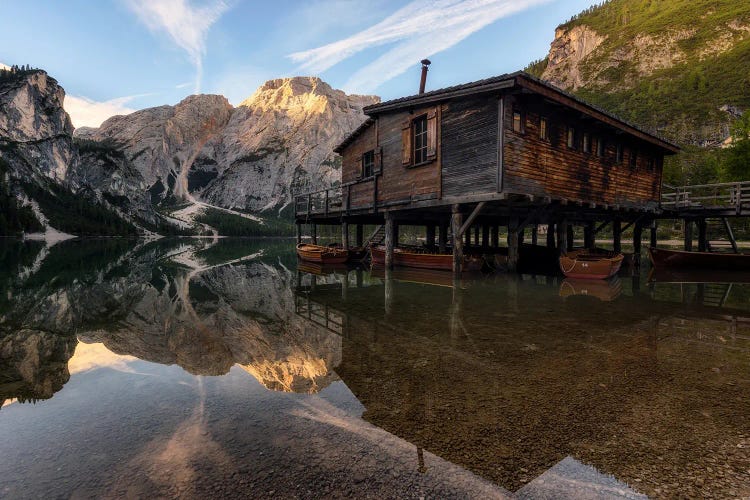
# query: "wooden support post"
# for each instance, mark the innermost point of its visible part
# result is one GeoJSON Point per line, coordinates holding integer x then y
{"type": "Point", "coordinates": [458, 249]}
{"type": "Point", "coordinates": [562, 237]}
{"type": "Point", "coordinates": [550, 236]}
{"type": "Point", "coordinates": [359, 238]}
{"type": "Point", "coordinates": [730, 234]}
{"type": "Point", "coordinates": [442, 236]}
{"type": "Point", "coordinates": [476, 235]}
{"type": "Point", "coordinates": [534, 234]}
{"type": "Point", "coordinates": [396, 236]}
{"type": "Point", "coordinates": [688, 226]}
{"type": "Point", "coordinates": [520, 234]}
{"type": "Point", "coordinates": [467, 237]}
{"type": "Point", "coordinates": [299, 233]}
{"type": "Point", "coordinates": [314, 233]}
{"type": "Point", "coordinates": [637, 235]}
{"type": "Point", "coordinates": [345, 235]}
{"type": "Point", "coordinates": [702, 240]}
{"type": "Point", "coordinates": [653, 234]}
{"type": "Point", "coordinates": [588, 236]}
{"type": "Point", "coordinates": [495, 236]}
{"type": "Point", "coordinates": [513, 244]}
{"type": "Point", "coordinates": [430, 235]}
{"type": "Point", "coordinates": [389, 234]}
{"type": "Point", "coordinates": [617, 235]}
{"type": "Point", "coordinates": [570, 237]}
{"type": "Point", "coordinates": [485, 236]}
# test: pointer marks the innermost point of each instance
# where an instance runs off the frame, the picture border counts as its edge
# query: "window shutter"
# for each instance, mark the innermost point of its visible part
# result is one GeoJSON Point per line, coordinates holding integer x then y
{"type": "Point", "coordinates": [378, 160]}
{"type": "Point", "coordinates": [406, 142]}
{"type": "Point", "coordinates": [432, 134]}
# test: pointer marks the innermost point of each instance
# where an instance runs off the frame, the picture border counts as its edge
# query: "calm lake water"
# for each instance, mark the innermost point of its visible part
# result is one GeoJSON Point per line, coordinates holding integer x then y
{"type": "Point", "coordinates": [197, 368]}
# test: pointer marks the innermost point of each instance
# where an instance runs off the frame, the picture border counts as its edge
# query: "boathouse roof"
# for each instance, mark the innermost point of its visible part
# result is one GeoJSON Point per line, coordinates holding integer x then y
{"type": "Point", "coordinates": [520, 79]}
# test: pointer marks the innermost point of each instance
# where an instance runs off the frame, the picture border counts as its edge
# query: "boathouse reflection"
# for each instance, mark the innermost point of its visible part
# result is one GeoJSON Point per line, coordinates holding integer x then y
{"type": "Point", "coordinates": [506, 378]}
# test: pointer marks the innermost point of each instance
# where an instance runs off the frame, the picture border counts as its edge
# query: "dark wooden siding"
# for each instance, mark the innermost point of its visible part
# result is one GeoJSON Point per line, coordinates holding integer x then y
{"type": "Point", "coordinates": [469, 146]}
{"type": "Point", "coordinates": [549, 168]}
{"type": "Point", "coordinates": [396, 183]}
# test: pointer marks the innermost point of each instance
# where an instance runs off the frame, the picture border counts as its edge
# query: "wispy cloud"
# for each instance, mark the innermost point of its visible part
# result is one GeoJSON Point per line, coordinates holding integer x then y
{"type": "Point", "coordinates": [418, 30]}
{"type": "Point", "coordinates": [85, 112]}
{"type": "Point", "coordinates": [186, 24]}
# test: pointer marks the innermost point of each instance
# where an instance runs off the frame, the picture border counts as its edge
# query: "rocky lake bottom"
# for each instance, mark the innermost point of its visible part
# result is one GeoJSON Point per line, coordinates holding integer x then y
{"type": "Point", "coordinates": [225, 368]}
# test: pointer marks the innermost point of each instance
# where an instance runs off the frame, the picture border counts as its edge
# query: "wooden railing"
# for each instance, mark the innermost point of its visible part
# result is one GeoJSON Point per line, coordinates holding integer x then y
{"type": "Point", "coordinates": [325, 201]}
{"type": "Point", "coordinates": [726, 195]}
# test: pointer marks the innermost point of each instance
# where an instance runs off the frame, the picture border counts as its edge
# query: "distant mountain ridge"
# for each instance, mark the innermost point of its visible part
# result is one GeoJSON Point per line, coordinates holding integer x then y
{"type": "Point", "coordinates": [200, 153]}
{"type": "Point", "coordinates": [680, 68]}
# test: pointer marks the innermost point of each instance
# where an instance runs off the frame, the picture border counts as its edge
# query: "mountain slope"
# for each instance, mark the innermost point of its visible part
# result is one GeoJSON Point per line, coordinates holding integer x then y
{"type": "Point", "coordinates": [680, 68]}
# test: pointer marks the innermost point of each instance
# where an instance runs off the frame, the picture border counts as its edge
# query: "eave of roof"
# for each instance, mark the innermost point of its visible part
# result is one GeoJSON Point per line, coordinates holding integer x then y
{"type": "Point", "coordinates": [501, 82]}
{"type": "Point", "coordinates": [350, 138]}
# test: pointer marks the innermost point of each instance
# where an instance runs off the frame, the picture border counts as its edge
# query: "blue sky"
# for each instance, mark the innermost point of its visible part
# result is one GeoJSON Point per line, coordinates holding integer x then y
{"type": "Point", "coordinates": [115, 56]}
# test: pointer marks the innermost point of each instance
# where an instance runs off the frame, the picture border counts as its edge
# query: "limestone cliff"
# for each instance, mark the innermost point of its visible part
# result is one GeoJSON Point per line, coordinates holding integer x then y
{"type": "Point", "coordinates": [677, 68]}
{"type": "Point", "coordinates": [245, 158]}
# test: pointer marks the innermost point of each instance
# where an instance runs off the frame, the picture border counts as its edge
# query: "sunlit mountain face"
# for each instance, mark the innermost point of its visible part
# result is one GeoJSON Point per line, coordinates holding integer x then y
{"type": "Point", "coordinates": [223, 367]}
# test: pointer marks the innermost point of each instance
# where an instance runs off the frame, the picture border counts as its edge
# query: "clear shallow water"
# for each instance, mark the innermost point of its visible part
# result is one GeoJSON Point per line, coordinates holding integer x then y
{"type": "Point", "coordinates": [200, 369]}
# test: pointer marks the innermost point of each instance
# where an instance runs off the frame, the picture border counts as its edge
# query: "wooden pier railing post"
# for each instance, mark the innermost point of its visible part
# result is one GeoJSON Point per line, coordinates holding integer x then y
{"type": "Point", "coordinates": [430, 235]}
{"type": "Point", "coordinates": [513, 244]}
{"type": "Point", "coordinates": [485, 236]}
{"type": "Point", "coordinates": [617, 235]}
{"type": "Point", "coordinates": [534, 234]}
{"type": "Point", "coordinates": [562, 237]}
{"type": "Point", "coordinates": [442, 236]}
{"type": "Point", "coordinates": [570, 237]}
{"type": "Point", "coordinates": [359, 238]}
{"type": "Point", "coordinates": [345, 235]}
{"type": "Point", "coordinates": [688, 230]}
{"type": "Point", "coordinates": [389, 230]}
{"type": "Point", "coordinates": [458, 249]}
{"type": "Point", "coordinates": [637, 235]}
{"type": "Point", "coordinates": [550, 236]}
{"type": "Point", "coordinates": [314, 233]}
{"type": "Point", "coordinates": [702, 240]}
{"type": "Point", "coordinates": [299, 233]}
{"type": "Point", "coordinates": [495, 236]}
{"type": "Point", "coordinates": [653, 234]}
{"type": "Point", "coordinates": [588, 236]}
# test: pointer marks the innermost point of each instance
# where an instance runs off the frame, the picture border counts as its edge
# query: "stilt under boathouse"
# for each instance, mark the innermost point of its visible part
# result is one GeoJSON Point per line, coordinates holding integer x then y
{"type": "Point", "coordinates": [509, 151]}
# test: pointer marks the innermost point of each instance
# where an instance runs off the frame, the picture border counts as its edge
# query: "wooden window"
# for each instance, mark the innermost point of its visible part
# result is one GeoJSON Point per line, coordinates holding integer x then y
{"type": "Point", "coordinates": [586, 142]}
{"type": "Point", "coordinates": [368, 164]}
{"type": "Point", "coordinates": [571, 138]}
{"type": "Point", "coordinates": [518, 125]}
{"type": "Point", "coordinates": [618, 154]}
{"type": "Point", "coordinates": [419, 128]}
{"type": "Point", "coordinates": [633, 158]}
{"type": "Point", "coordinates": [600, 147]}
{"type": "Point", "coordinates": [543, 129]}
{"type": "Point", "coordinates": [650, 163]}
{"type": "Point", "coordinates": [419, 137]}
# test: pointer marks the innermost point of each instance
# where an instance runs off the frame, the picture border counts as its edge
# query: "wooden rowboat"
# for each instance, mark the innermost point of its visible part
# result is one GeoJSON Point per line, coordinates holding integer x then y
{"type": "Point", "coordinates": [322, 255]}
{"type": "Point", "coordinates": [604, 290]}
{"type": "Point", "coordinates": [584, 264]}
{"type": "Point", "coordinates": [661, 258]}
{"type": "Point", "coordinates": [407, 258]}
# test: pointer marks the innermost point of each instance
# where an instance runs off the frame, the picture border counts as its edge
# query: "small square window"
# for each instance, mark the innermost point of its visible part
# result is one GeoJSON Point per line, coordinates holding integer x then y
{"type": "Point", "coordinates": [368, 164]}
{"type": "Point", "coordinates": [518, 122]}
{"type": "Point", "coordinates": [633, 158]}
{"type": "Point", "coordinates": [586, 142]}
{"type": "Point", "coordinates": [571, 138]}
{"type": "Point", "coordinates": [543, 128]}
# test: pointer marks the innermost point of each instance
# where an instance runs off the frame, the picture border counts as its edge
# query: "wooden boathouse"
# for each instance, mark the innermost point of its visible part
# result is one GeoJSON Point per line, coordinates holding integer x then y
{"type": "Point", "coordinates": [507, 151]}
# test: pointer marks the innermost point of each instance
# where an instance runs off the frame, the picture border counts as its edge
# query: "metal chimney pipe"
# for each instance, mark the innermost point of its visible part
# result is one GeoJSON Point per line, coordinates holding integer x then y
{"type": "Point", "coordinates": [423, 81]}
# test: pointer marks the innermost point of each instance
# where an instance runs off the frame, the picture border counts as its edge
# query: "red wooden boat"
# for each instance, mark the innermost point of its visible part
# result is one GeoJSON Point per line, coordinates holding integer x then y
{"type": "Point", "coordinates": [661, 258]}
{"type": "Point", "coordinates": [412, 258]}
{"type": "Point", "coordinates": [322, 255]}
{"type": "Point", "coordinates": [585, 264]}
{"type": "Point", "coordinates": [356, 254]}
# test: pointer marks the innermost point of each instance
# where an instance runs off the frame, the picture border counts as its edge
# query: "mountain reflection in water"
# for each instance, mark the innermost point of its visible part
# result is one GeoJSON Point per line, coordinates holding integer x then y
{"type": "Point", "coordinates": [533, 383]}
